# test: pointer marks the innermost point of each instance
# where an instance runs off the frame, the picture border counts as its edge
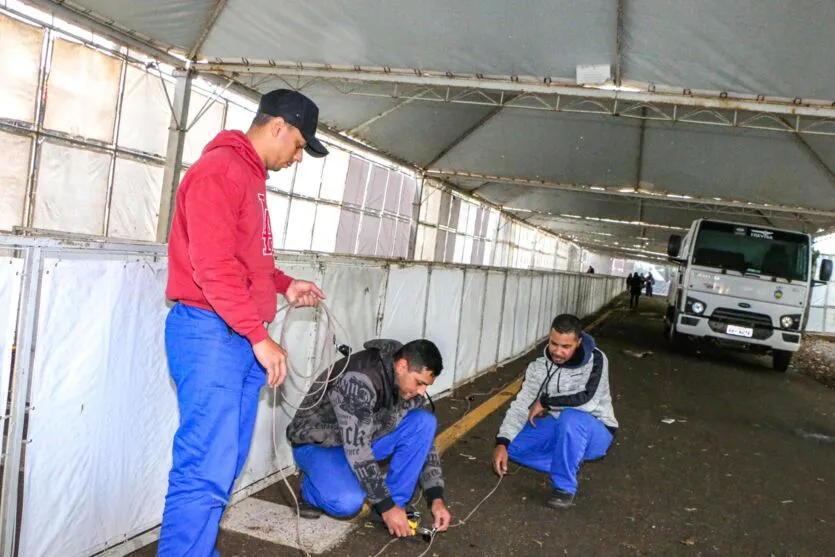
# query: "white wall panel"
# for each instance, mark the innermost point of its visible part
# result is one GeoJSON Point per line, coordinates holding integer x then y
{"type": "Point", "coordinates": [535, 316]}
{"type": "Point", "coordinates": [446, 288]}
{"type": "Point", "coordinates": [103, 408]}
{"type": "Point", "coordinates": [491, 324]}
{"type": "Point", "coordinates": [475, 283]}
{"type": "Point", "coordinates": [405, 303]}
{"type": "Point", "coordinates": [523, 301]}
{"type": "Point", "coordinates": [508, 313]}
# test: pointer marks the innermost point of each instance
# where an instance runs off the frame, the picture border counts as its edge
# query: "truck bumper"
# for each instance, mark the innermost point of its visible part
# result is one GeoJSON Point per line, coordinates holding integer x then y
{"type": "Point", "coordinates": [698, 326]}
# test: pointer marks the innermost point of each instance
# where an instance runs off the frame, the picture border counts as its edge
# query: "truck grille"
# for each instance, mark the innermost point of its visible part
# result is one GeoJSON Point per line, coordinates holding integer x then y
{"type": "Point", "coordinates": [722, 317]}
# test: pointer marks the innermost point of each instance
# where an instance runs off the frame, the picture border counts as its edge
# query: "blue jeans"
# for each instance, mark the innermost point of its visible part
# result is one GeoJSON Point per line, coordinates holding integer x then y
{"type": "Point", "coordinates": [218, 380]}
{"type": "Point", "coordinates": [558, 446]}
{"type": "Point", "coordinates": [330, 484]}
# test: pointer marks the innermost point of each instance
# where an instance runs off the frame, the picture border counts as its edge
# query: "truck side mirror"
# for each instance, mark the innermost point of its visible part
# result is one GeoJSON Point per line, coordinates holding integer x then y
{"type": "Point", "coordinates": [826, 270]}
{"type": "Point", "coordinates": [674, 245]}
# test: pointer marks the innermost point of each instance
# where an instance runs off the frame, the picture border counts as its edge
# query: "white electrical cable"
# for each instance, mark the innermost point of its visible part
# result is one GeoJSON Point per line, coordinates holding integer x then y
{"type": "Point", "coordinates": [328, 379]}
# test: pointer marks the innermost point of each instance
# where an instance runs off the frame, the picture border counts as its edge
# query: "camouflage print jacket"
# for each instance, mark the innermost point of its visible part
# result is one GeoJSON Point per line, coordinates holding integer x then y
{"type": "Point", "coordinates": [362, 405]}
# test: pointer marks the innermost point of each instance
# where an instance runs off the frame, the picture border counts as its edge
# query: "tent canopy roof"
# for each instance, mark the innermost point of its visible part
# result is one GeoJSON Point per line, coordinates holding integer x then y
{"type": "Point", "coordinates": [711, 107]}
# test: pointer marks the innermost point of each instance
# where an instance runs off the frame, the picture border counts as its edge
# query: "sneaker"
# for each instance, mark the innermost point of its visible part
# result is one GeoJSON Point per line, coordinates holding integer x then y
{"type": "Point", "coordinates": [561, 499]}
{"type": "Point", "coordinates": [306, 510]}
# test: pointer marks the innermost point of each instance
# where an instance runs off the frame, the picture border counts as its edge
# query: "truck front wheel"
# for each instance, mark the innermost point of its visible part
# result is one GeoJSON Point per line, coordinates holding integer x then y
{"type": "Point", "coordinates": [780, 360]}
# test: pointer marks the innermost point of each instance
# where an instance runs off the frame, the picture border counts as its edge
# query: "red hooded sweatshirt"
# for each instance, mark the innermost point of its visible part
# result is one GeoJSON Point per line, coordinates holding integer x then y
{"type": "Point", "coordinates": [220, 250]}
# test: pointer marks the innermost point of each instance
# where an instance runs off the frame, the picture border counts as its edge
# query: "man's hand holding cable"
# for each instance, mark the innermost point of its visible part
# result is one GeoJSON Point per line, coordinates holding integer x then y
{"type": "Point", "coordinates": [302, 293]}
{"type": "Point", "coordinates": [274, 359]}
{"type": "Point", "coordinates": [397, 522]}
{"type": "Point", "coordinates": [441, 514]}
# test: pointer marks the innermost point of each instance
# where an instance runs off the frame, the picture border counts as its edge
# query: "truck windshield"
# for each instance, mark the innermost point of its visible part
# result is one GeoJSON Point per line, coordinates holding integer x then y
{"type": "Point", "coordinates": [749, 249]}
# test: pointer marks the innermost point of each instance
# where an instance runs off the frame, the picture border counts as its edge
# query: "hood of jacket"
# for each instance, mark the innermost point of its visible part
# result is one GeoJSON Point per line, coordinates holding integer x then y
{"type": "Point", "coordinates": [237, 140]}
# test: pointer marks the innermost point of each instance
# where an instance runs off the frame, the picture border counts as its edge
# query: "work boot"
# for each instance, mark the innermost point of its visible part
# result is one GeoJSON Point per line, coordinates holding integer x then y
{"type": "Point", "coordinates": [561, 499]}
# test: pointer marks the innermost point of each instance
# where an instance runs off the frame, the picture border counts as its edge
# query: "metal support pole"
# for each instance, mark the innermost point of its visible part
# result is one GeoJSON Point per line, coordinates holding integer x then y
{"type": "Point", "coordinates": [25, 340]}
{"type": "Point", "coordinates": [174, 153]}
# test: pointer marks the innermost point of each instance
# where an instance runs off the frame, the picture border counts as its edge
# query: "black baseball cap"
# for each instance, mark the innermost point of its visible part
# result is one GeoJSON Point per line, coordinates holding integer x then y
{"type": "Point", "coordinates": [297, 110]}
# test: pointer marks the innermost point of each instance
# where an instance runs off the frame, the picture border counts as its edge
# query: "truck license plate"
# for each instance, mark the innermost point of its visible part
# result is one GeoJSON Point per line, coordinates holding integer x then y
{"type": "Point", "coordinates": [736, 330]}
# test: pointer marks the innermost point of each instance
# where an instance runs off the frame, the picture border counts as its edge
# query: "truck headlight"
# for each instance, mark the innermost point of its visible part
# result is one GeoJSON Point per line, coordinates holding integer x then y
{"type": "Point", "coordinates": [790, 321]}
{"type": "Point", "coordinates": [695, 306]}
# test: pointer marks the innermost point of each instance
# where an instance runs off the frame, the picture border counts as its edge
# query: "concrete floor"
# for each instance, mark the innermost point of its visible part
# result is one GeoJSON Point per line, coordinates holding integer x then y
{"type": "Point", "coordinates": [747, 468]}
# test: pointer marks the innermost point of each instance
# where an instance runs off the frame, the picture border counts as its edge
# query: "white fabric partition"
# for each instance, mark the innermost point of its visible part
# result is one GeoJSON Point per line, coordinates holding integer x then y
{"type": "Point", "coordinates": [508, 317]}
{"type": "Point", "coordinates": [442, 317]}
{"type": "Point", "coordinates": [472, 310]}
{"type": "Point", "coordinates": [520, 328]}
{"type": "Point", "coordinates": [534, 327]}
{"type": "Point", "coordinates": [104, 409]}
{"type": "Point", "coordinates": [405, 305]}
{"type": "Point", "coordinates": [10, 277]}
{"type": "Point", "coordinates": [488, 348]}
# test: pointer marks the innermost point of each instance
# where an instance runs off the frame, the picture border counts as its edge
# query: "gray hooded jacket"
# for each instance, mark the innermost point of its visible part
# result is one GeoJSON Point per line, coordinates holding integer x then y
{"type": "Point", "coordinates": [361, 405]}
{"type": "Point", "coordinates": [581, 383]}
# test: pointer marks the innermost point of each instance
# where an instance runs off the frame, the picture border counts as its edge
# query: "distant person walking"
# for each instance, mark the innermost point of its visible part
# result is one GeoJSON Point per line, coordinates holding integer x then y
{"type": "Point", "coordinates": [635, 287]}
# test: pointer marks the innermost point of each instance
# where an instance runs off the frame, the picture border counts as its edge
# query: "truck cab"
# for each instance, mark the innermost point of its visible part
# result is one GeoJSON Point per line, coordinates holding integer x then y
{"type": "Point", "coordinates": [741, 285]}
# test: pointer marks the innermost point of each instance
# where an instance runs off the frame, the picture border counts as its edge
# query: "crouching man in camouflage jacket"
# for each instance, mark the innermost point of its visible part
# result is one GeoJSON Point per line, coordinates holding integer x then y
{"type": "Point", "coordinates": [370, 412]}
{"type": "Point", "coordinates": [563, 414]}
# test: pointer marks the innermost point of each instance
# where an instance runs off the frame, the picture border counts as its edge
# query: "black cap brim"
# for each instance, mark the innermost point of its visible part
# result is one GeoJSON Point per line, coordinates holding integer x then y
{"type": "Point", "coordinates": [314, 147]}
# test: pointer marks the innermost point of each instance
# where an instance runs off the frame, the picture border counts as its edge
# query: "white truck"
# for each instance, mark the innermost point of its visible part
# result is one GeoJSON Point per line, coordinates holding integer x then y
{"type": "Point", "coordinates": [743, 285]}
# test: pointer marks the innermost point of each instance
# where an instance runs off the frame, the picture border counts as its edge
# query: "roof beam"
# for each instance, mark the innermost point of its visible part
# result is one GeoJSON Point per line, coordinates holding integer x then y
{"type": "Point", "coordinates": [523, 85]}
{"type": "Point", "coordinates": [579, 219]}
{"type": "Point", "coordinates": [464, 136]}
{"type": "Point", "coordinates": [816, 158]}
{"type": "Point", "coordinates": [405, 102]}
{"type": "Point", "coordinates": [201, 40]}
{"type": "Point", "coordinates": [668, 200]}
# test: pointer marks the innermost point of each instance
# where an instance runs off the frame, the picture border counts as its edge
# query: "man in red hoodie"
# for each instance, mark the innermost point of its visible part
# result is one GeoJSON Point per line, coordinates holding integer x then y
{"type": "Point", "coordinates": [222, 276]}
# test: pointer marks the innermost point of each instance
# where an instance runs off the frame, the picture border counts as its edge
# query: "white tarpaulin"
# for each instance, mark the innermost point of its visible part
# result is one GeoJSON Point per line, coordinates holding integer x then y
{"type": "Point", "coordinates": [523, 305]}
{"type": "Point", "coordinates": [11, 270]}
{"type": "Point", "coordinates": [534, 328]}
{"type": "Point", "coordinates": [405, 303]}
{"type": "Point", "coordinates": [358, 312]}
{"type": "Point", "coordinates": [488, 349]}
{"type": "Point", "coordinates": [134, 206]}
{"type": "Point", "coordinates": [19, 69]}
{"type": "Point", "coordinates": [103, 408]}
{"type": "Point", "coordinates": [71, 189]}
{"type": "Point", "coordinates": [507, 321]}
{"type": "Point", "coordinates": [13, 175]}
{"type": "Point", "coordinates": [442, 317]}
{"type": "Point", "coordinates": [471, 325]}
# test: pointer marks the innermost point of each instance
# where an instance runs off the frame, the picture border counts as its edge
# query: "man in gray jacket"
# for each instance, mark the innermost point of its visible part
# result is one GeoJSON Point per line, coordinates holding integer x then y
{"type": "Point", "coordinates": [371, 410]}
{"type": "Point", "coordinates": [563, 413]}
